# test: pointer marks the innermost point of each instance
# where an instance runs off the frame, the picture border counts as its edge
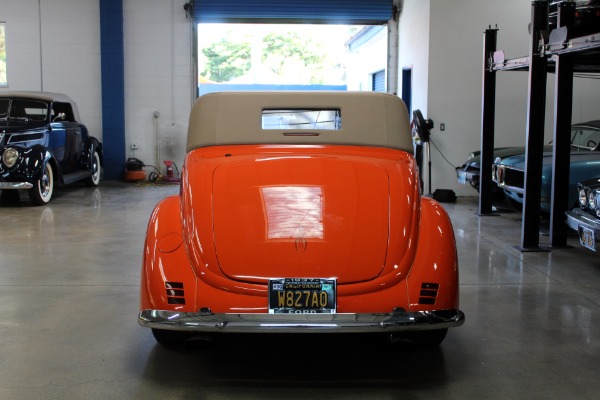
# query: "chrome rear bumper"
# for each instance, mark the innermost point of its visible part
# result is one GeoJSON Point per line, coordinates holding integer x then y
{"type": "Point", "coordinates": [15, 185]}
{"type": "Point", "coordinates": [299, 323]}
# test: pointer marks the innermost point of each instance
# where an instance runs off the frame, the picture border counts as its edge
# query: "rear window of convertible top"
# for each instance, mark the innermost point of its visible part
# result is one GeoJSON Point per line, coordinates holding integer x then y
{"type": "Point", "coordinates": [301, 119]}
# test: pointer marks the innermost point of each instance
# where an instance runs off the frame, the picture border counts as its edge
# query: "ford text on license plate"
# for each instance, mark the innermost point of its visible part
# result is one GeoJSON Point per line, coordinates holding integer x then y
{"type": "Point", "coordinates": [586, 238]}
{"type": "Point", "coordinates": [302, 296]}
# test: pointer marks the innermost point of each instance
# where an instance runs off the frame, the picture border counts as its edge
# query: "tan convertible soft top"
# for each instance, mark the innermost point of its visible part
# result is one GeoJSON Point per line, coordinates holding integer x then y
{"type": "Point", "coordinates": [367, 119]}
{"type": "Point", "coordinates": [44, 96]}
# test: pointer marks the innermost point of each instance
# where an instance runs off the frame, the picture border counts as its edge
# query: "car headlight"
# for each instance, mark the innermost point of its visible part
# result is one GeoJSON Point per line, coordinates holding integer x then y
{"type": "Point", "coordinates": [597, 192]}
{"type": "Point", "coordinates": [592, 200]}
{"type": "Point", "coordinates": [9, 157]}
{"type": "Point", "coordinates": [582, 197]}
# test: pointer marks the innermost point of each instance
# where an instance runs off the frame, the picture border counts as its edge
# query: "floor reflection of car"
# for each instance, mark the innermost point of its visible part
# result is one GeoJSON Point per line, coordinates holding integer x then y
{"type": "Point", "coordinates": [43, 144]}
{"type": "Point", "coordinates": [585, 219]}
{"type": "Point", "coordinates": [304, 224]}
{"type": "Point", "coordinates": [509, 173]}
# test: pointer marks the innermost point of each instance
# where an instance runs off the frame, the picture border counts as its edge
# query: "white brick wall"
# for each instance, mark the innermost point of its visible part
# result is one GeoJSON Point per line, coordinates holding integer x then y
{"type": "Point", "coordinates": [157, 64]}
{"type": "Point", "coordinates": [157, 78]}
{"type": "Point", "coordinates": [443, 42]}
{"type": "Point", "coordinates": [64, 58]}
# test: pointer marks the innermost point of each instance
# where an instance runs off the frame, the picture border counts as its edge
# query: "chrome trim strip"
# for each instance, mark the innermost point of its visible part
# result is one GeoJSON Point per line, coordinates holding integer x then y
{"type": "Point", "coordinates": [515, 189]}
{"type": "Point", "coordinates": [15, 185]}
{"type": "Point", "coordinates": [499, 175]}
{"type": "Point", "coordinates": [577, 217]}
{"type": "Point", "coordinates": [301, 323]}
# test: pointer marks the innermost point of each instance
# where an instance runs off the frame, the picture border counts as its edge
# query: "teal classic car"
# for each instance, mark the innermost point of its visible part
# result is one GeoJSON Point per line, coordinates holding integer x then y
{"type": "Point", "coordinates": [468, 172]}
{"type": "Point", "coordinates": [584, 136]}
{"type": "Point", "coordinates": [509, 173]}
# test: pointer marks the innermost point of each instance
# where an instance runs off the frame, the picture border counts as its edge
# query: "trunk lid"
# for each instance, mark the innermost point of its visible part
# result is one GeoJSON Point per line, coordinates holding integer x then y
{"type": "Point", "coordinates": [329, 220]}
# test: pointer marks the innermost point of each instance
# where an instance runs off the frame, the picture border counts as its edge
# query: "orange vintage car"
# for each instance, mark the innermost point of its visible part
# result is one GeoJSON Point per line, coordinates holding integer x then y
{"type": "Point", "coordinates": [299, 212]}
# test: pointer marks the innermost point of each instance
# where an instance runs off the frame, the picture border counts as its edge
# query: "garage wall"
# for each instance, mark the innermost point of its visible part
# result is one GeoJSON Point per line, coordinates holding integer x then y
{"type": "Point", "coordinates": [158, 78]}
{"type": "Point", "coordinates": [447, 81]}
{"type": "Point", "coordinates": [455, 80]}
{"type": "Point", "coordinates": [54, 45]}
{"type": "Point", "coordinates": [414, 49]}
{"type": "Point", "coordinates": [65, 57]}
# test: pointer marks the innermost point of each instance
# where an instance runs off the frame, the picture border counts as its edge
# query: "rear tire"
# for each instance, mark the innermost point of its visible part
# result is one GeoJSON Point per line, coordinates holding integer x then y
{"type": "Point", "coordinates": [94, 180]}
{"type": "Point", "coordinates": [170, 338]}
{"type": "Point", "coordinates": [41, 192]}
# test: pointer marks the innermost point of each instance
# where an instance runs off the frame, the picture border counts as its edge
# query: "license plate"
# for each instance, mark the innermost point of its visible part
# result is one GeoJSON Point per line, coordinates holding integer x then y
{"type": "Point", "coordinates": [302, 296]}
{"type": "Point", "coordinates": [587, 238]}
{"type": "Point", "coordinates": [462, 177]}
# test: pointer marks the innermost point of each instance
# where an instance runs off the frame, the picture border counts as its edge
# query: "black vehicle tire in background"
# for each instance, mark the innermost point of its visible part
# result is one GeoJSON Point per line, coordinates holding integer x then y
{"type": "Point", "coordinates": [94, 180]}
{"type": "Point", "coordinates": [170, 338]}
{"type": "Point", "coordinates": [41, 192]}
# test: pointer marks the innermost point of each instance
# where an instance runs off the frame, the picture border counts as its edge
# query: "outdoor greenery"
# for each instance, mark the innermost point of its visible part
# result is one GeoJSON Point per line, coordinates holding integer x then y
{"type": "Point", "coordinates": [3, 80]}
{"type": "Point", "coordinates": [283, 54]}
{"type": "Point", "coordinates": [291, 52]}
{"type": "Point", "coordinates": [226, 60]}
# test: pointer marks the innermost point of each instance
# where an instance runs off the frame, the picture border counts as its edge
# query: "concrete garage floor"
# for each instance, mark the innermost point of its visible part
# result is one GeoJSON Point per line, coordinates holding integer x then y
{"type": "Point", "coordinates": [69, 278]}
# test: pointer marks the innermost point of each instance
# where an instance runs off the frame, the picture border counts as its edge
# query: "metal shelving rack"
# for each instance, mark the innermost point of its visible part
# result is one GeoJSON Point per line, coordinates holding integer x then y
{"type": "Point", "coordinates": [559, 52]}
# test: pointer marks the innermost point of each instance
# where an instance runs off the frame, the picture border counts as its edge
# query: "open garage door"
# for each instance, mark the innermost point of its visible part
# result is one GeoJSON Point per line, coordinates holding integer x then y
{"type": "Point", "coordinates": [272, 61]}
{"type": "Point", "coordinates": [351, 12]}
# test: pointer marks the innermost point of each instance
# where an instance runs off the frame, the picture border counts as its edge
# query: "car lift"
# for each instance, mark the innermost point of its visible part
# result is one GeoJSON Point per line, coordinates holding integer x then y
{"type": "Point", "coordinates": [565, 54]}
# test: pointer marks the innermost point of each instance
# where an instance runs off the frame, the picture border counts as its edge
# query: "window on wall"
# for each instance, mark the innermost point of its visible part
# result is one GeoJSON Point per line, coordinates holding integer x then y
{"type": "Point", "coordinates": [3, 81]}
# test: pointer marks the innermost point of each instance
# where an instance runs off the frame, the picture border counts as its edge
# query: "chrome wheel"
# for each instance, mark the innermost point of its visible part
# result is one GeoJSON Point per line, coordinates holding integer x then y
{"type": "Point", "coordinates": [94, 180]}
{"type": "Point", "coordinates": [41, 192]}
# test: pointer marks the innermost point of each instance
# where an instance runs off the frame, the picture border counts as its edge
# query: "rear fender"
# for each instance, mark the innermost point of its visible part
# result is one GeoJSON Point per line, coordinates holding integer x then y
{"type": "Point", "coordinates": [433, 280]}
{"type": "Point", "coordinates": [167, 282]}
{"type": "Point", "coordinates": [89, 147]}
